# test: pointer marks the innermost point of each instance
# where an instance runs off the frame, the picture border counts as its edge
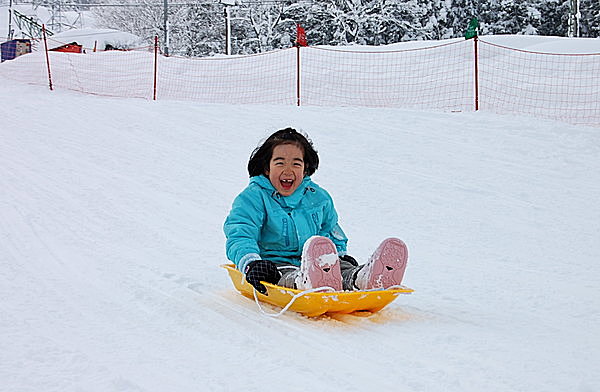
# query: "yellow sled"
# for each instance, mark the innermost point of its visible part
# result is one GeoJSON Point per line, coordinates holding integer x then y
{"type": "Point", "coordinates": [314, 304]}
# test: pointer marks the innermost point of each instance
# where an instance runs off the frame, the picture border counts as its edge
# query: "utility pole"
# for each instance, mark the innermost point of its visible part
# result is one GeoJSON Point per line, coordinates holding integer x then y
{"type": "Point", "coordinates": [578, 19]}
{"type": "Point", "coordinates": [56, 16]}
{"type": "Point", "coordinates": [227, 31]}
{"type": "Point", "coordinates": [574, 29]}
{"type": "Point", "coordinates": [227, 3]}
{"type": "Point", "coordinates": [166, 26]}
{"type": "Point", "coordinates": [52, 21]}
{"type": "Point", "coordinates": [10, 32]}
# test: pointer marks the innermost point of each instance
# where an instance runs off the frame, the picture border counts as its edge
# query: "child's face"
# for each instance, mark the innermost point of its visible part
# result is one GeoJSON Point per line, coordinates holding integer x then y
{"type": "Point", "coordinates": [286, 168]}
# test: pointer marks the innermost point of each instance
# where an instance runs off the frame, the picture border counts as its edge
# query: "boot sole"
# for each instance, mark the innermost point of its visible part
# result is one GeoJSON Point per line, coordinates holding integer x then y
{"type": "Point", "coordinates": [320, 264]}
{"type": "Point", "coordinates": [389, 265]}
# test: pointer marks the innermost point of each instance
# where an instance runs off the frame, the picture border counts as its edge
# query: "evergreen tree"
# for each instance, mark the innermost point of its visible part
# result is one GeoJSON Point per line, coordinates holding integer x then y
{"type": "Point", "coordinates": [367, 22]}
{"type": "Point", "coordinates": [403, 21]}
{"type": "Point", "coordinates": [554, 17]}
{"type": "Point", "coordinates": [590, 18]}
{"type": "Point", "coordinates": [142, 18]}
{"type": "Point", "coordinates": [316, 21]}
{"type": "Point", "coordinates": [511, 17]}
{"type": "Point", "coordinates": [200, 32]}
{"type": "Point", "coordinates": [199, 29]}
{"type": "Point", "coordinates": [458, 15]}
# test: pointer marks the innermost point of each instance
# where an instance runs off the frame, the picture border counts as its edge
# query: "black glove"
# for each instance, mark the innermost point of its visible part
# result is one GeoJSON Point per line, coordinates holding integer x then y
{"type": "Point", "coordinates": [262, 270]}
{"type": "Point", "coordinates": [349, 259]}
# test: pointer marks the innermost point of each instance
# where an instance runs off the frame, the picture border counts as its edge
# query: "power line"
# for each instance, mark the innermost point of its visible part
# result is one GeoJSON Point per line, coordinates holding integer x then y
{"type": "Point", "coordinates": [160, 4]}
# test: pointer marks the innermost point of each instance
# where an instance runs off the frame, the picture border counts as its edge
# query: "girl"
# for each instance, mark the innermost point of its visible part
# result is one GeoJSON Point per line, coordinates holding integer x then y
{"type": "Point", "coordinates": [283, 228]}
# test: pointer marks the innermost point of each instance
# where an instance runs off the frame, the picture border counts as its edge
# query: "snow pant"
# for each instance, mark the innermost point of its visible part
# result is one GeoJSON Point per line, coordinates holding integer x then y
{"type": "Point", "coordinates": [289, 272]}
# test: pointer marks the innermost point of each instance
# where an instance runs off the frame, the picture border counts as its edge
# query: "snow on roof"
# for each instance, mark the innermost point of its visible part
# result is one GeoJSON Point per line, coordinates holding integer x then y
{"type": "Point", "coordinates": [99, 38]}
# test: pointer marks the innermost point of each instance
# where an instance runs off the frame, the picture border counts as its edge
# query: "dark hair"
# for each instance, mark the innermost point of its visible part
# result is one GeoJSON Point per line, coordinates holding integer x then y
{"type": "Point", "coordinates": [261, 156]}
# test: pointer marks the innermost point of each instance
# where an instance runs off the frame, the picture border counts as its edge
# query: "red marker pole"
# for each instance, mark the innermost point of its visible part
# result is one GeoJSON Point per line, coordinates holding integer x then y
{"type": "Point", "coordinates": [47, 57]}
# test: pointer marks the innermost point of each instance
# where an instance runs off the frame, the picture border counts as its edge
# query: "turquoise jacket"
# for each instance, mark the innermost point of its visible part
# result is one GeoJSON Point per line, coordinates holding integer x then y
{"type": "Point", "coordinates": [263, 224]}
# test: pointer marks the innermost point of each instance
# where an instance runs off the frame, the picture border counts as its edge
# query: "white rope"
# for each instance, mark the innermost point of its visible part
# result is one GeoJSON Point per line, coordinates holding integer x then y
{"type": "Point", "coordinates": [394, 287]}
{"type": "Point", "coordinates": [294, 298]}
{"type": "Point", "coordinates": [397, 287]}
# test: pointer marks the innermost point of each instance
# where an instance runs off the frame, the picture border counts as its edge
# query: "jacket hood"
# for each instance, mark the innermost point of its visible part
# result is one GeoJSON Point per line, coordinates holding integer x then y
{"type": "Point", "coordinates": [289, 201]}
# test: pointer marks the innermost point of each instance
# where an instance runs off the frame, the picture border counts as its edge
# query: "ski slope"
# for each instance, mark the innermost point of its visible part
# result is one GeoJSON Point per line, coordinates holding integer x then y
{"type": "Point", "coordinates": [110, 245]}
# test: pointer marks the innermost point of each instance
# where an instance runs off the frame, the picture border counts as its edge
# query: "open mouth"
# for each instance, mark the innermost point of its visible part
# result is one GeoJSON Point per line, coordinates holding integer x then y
{"type": "Point", "coordinates": [286, 184]}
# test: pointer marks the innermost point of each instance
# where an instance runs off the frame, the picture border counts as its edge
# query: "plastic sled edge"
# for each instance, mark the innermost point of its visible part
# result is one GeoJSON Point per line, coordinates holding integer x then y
{"type": "Point", "coordinates": [317, 303]}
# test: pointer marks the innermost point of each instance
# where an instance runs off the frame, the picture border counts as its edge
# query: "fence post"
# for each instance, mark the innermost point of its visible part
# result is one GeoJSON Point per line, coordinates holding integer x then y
{"type": "Point", "coordinates": [475, 43]}
{"type": "Point", "coordinates": [298, 75]}
{"type": "Point", "coordinates": [47, 57]}
{"type": "Point", "coordinates": [155, 64]}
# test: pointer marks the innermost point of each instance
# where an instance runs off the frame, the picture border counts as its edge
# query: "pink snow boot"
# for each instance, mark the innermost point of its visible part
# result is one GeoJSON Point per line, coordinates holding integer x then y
{"type": "Point", "coordinates": [386, 266]}
{"type": "Point", "coordinates": [320, 265]}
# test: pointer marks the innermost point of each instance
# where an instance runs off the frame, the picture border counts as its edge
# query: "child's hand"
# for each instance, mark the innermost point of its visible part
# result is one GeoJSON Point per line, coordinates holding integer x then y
{"type": "Point", "coordinates": [262, 270]}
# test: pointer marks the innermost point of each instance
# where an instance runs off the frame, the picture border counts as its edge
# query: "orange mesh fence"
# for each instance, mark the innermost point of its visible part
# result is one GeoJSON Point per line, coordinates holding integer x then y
{"type": "Point", "coordinates": [451, 77]}
{"type": "Point", "coordinates": [564, 87]}
{"type": "Point", "coordinates": [109, 73]}
{"type": "Point", "coordinates": [30, 68]}
{"type": "Point", "coordinates": [268, 78]}
{"type": "Point", "coordinates": [438, 77]}
{"type": "Point", "coordinates": [105, 73]}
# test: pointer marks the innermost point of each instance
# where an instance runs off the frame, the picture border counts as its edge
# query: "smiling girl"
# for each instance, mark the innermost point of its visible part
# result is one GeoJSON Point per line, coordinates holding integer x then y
{"type": "Point", "coordinates": [283, 228]}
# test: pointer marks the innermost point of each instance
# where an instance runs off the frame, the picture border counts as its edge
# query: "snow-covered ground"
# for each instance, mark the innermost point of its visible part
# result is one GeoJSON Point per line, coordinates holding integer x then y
{"type": "Point", "coordinates": [110, 244]}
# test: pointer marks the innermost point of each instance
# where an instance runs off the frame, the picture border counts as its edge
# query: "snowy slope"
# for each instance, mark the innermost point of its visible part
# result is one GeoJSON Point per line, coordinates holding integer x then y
{"type": "Point", "coordinates": [110, 242]}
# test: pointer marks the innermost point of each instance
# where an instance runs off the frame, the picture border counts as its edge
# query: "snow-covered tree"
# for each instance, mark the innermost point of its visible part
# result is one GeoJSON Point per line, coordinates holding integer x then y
{"type": "Point", "coordinates": [554, 17]}
{"type": "Point", "coordinates": [515, 18]}
{"type": "Point", "coordinates": [199, 28]}
{"type": "Point", "coordinates": [590, 18]}
{"type": "Point", "coordinates": [372, 22]}
{"type": "Point", "coordinates": [457, 14]}
{"type": "Point", "coordinates": [269, 26]}
{"type": "Point", "coordinates": [200, 31]}
{"type": "Point", "coordinates": [140, 17]}
{"type": "Point", "coordinates": [405, 21]}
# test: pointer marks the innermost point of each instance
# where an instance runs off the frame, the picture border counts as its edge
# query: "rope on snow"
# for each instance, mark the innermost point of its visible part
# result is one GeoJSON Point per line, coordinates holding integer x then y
{"type": "Point", "coordinates": [294, 298]}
